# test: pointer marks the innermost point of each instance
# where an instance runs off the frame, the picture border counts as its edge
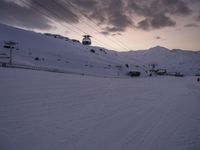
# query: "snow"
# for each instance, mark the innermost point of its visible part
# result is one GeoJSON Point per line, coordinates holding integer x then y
{"type": "Point", "coordinates": [77, 58]}
{"type": "Point", "coordinates": [186, 62]}
{"type": "Point", "coordinates": [58, 53]}
{"type": "Point", "coordinates": [94, 105]}
{"type": "Point", "coordinates": [41, 110]}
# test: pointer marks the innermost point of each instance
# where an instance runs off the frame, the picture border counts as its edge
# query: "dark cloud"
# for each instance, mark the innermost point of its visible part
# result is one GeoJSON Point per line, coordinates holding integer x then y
{"type": "Point", "coordinates": [56, 9]}
{"type": "Point", "coordinates": [191, 25]}
{"type": "Point", "coordinates": [36, 14]}
{"type": "Point", "coordinates": [118, 15]}
{"type": "Point", "coordinates": [158, 13]}
{"type": "Point", "coordinates": [158, 38]}
{"type": "Point", "coordinates": [198, 17]}
{"type": "Point", "coordinates": [116, 34]}
{"type": "Point", "coordinates": [177, 7]}
{"type": "Point", "coordinates": [112, 15]}
{"type": "Point", "coordinates": [105, 33]}
{"type": "Point", "coordinates": [156, 22]}
{"type": "Point", "coordinates": [85, 4]}
{"type": "Point", "coordinates": [13, 14]}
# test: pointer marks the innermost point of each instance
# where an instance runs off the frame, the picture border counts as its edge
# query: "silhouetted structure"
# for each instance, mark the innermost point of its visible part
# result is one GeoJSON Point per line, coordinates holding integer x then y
{"type": "Point", "coordinates": [86, 40]}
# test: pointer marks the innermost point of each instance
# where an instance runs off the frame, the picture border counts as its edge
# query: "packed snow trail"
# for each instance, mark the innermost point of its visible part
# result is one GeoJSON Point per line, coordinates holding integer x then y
{"type": "Point", "coordinates": [42, 110]}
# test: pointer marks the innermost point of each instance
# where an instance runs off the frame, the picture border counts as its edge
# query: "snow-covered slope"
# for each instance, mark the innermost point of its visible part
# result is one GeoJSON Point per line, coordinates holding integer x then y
{"type": "Point", "coordinates": [187, 62]}
{"type": "Point", "coordinates": [75, 57]}
{"type": "Point", "coordinates": [58, 53]}
{"type": "Point", "coordinates": [49, 111]}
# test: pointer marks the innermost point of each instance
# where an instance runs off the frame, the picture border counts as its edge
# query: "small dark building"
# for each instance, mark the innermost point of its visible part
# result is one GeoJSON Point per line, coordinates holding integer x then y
{"type": "Point", "coordinates": [176, 74]}
{"type": "Point", "coordinates": [161, 72]}
{"type": "Point", "coordinates": [197, 74]}
{"type": "Point", "coordinates": [134, 73]}
{"type": "Point", "coordinates": [3, 64]}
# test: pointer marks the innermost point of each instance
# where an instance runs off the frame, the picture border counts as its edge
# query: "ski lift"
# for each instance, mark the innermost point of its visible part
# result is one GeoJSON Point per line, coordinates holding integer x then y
{"type": "Point", "coordinates": [86, 40]}
{"type": "Point", "coordinates": [9, 44]}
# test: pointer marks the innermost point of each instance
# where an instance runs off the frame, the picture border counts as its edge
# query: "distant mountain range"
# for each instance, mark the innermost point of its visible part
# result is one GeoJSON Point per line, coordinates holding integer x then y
{"type": "Point", "coordinates": [45, 50]}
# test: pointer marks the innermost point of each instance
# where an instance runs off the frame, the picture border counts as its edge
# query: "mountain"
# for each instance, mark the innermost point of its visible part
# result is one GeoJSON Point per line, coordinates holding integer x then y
{"type": "Point", "coordinates": [186, 62]}
{"type": "Point", "coordinates": [58, 52]}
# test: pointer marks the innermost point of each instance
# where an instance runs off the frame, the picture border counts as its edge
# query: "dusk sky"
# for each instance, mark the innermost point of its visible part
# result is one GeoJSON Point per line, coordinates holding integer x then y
{"type": "Point", "coordinates": [115, 24]}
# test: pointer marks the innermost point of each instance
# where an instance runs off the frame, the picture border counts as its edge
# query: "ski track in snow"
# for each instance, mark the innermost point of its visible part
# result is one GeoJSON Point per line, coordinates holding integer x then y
{"type": "Point", "coordinates": [42, 110]}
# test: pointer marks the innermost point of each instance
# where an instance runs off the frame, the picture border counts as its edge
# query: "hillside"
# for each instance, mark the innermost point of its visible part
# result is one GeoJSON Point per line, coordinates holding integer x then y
{"type": "Point", "coordinates": [35, 49]}
{"type": "Point", "coordinates": [187, 62]}
{"type": "Point", "coordinates": [58, 53]}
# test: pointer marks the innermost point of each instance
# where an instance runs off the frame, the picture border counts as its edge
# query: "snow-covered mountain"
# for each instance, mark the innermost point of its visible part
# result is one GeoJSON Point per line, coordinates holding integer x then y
{"type": "Point", "coordinates": [175, 60]}
{"type": "Point", "coordinates": [36, 49]}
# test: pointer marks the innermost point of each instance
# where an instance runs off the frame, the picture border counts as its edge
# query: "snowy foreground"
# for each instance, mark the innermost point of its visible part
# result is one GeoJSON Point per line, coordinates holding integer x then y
{"type": "Point", "coordinates": [51, 111]}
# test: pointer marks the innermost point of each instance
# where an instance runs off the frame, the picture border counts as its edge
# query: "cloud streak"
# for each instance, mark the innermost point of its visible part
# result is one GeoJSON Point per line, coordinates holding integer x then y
{"type": "Point", "coordinates": [14, 14]}
{"type": "Point", "coordinates": [191, 25]}
{"type": "Point", "coordinates": [198, 17]}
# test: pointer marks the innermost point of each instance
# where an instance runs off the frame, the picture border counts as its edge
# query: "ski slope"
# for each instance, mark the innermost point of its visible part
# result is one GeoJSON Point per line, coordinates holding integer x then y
{"type": "Point", "coordinates": [59, 53]}
{"type": "Point", "coordinates": [51, 111]}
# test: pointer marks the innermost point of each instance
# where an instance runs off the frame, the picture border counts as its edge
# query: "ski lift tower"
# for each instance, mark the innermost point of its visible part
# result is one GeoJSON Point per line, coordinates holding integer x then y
{"type": "Point", "coordinates": [87, 40]}
{"type": "Point", "coordinates": [10, 45]}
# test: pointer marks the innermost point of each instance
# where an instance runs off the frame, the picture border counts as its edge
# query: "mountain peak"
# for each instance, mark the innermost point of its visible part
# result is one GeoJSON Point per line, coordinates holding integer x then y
{"type": "Point", "coordinates": [158, 48]}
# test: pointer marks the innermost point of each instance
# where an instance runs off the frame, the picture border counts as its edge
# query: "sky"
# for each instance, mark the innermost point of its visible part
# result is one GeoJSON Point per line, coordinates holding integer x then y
{"type": "Point", "coordinates": [120, 25]}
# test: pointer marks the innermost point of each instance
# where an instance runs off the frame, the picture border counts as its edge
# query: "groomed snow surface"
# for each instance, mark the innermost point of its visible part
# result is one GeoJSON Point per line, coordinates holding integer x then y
{"type": "Point", "coordinates": [52, 111]}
